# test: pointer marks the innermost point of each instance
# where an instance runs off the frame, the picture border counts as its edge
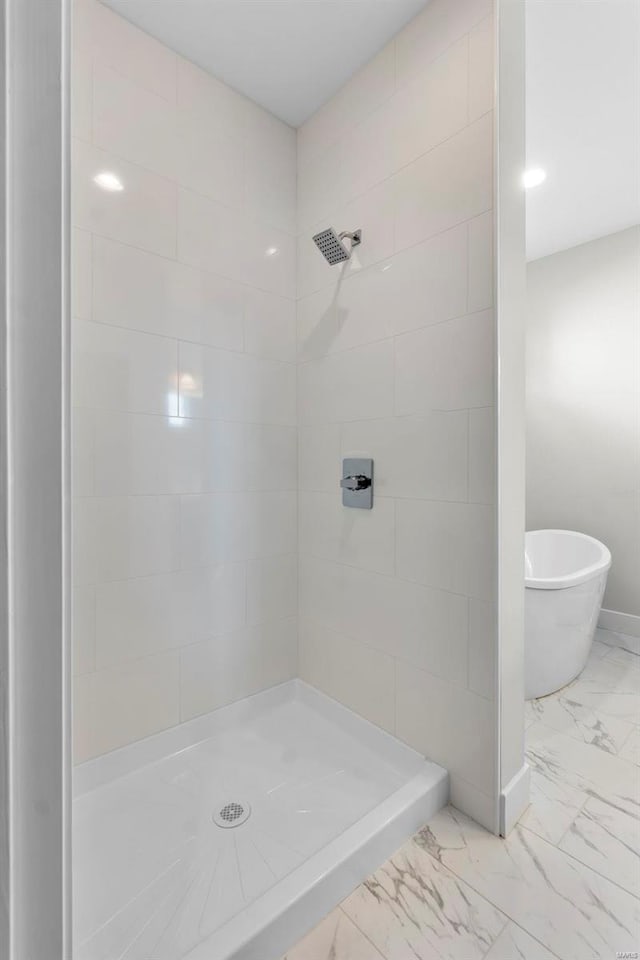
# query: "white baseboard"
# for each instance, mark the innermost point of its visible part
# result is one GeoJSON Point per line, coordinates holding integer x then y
{"type": "Point", "coordinates": [617, 622]}
{"type": "Point", "coordinates": [514, 800]}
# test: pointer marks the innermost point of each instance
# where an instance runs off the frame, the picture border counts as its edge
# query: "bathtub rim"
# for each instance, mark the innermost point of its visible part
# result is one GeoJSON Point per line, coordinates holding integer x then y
{"type": "Point", "coordinates": [576, 577]}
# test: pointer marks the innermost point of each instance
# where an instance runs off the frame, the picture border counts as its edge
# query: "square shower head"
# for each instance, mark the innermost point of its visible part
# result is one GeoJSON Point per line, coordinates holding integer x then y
{"type": "Point", "coordinates": [331, 246]}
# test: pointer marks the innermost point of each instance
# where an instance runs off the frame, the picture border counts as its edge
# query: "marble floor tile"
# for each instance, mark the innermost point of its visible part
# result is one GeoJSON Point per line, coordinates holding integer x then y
{"type": "Point", "coordinates": [335, 938]}
{"type": "Point", "coordinates": [514, 943]}
{"type": "Point", "coordinates": [564, 712]}
{"type": "Point", "coordinates": [608, 840]}
{"type": "Point", "coordinates": [414, 907]}
{"type": "Point", "coordinates": [571, 909]}
{"type": "Point", "coordinates": [621, 640]}
{"type": "Point", "coordinates": [631, 749]}
{"type": "Point", "coordinates": [554, 804]}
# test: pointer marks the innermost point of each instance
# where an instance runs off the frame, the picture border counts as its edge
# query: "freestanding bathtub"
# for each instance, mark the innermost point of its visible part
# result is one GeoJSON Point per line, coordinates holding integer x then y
{"type": "Point", "coordinates": [565, 577]}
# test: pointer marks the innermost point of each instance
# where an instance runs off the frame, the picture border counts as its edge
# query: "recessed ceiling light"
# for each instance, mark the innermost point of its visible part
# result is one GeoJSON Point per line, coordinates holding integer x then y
{"type": "Point", "coordinates": [534, 177]}
{"type": "Point", "coordinates": [108, 181]}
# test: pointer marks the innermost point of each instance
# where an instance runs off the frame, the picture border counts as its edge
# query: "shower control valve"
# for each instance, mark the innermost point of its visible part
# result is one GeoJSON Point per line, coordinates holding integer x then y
{"type": "Point", "coordinates": [357, 482]}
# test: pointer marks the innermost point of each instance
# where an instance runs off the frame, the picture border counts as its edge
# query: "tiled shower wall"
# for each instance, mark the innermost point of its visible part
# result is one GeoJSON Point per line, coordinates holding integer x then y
{"type": "Point", "coordinates": [184, 389]}
{"type": "Point", "coordinates": [396, 361]}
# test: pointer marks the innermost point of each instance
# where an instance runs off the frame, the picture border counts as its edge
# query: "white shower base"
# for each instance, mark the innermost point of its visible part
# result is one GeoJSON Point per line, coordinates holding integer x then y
{"type": "Point", "coordinates": [331, 797]}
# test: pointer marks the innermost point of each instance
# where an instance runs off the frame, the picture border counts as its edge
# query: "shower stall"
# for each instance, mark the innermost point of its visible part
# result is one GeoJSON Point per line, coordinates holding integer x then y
{"type": "Point", "coordinates": [229, 693]}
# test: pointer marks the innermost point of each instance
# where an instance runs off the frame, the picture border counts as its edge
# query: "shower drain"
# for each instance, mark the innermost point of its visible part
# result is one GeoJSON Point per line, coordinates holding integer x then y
{"type": "Point", "coordinates": [232, 814]}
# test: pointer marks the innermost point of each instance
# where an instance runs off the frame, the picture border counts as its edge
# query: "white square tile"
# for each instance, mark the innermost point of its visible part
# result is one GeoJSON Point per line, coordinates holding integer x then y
{"type": "Point", "coordinates": [118, 369]}
{"type": "Point", "coordinates": [133, 123]}
{"type": "Point", "coordinates": [145, 292]}
{"type": "Point", "coordinates": [332, 663]}
{"type": "Point", "coordinates": [81, 274]}
{"type": "Point", "coordinates": [354, 385]}
{"type": "Point", "coordinates": [416, 457]}
{"type": "Point", "coordinates": [450, 184]}
{"type": "Point", "coordinates": [142, 214]}
{"type": "Point", "coordinates": [447, 545]}
{"type": "Point", "coordinates": [481, 69]}
{"type": "Point", "coordinates": [432, 107]}
{"type": "Point", "coordinates": [363, 538]}
{"type": "Point", "coordinates": [448, 366]}
{"type": "Point", "coordinates": [482, 455]}
{"type": "Point", "coordinates": [272, 589]}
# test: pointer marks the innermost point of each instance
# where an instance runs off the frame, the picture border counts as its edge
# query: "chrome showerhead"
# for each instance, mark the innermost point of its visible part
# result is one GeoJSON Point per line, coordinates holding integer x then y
{"type": "Point", "coordinates": [332, 247]}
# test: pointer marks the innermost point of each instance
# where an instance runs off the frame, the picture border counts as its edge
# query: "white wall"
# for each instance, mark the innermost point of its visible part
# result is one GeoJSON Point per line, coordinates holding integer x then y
{"type": "Point", "coordinates": [184, 389]}
{"type": "Point", "coordinates": [396, 354]}
{"type": "Point", "coordinates": [583, 401]}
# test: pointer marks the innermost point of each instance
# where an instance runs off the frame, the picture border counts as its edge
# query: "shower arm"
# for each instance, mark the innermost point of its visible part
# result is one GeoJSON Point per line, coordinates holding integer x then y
{"type": "Point", "coordinates": [355, 236]}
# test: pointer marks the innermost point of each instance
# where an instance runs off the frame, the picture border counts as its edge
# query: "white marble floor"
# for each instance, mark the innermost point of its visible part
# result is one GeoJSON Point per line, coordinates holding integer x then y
{"type": "Point", "coordinates": [564, 885]}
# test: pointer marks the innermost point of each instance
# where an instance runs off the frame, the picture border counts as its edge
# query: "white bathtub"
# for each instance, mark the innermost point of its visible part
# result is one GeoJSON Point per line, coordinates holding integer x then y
{"type": "Point", "coordinates": [565, 577]}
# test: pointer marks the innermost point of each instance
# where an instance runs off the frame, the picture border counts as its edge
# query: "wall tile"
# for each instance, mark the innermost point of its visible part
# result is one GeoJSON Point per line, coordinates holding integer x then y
{"type": "Point", "coordinates": [429, 34]}
{"type": "Point", "coordinates": [210, 235]}
{"type": "Point", "coordinates": [82, 452]}
{"type": "Point", "coordinates": [142, 214]}
{"type": "Point", "coordinates": [210, 162]}
{"type": "Point", "coordinates": [481, 275]}
{"type": "Point", "coordinates": [210, 103]}
{"type": "Point", "coordinates": [116, 538]}
{"type": "Point", "coordinates": [146, 615]}
{"type": "Point", "coordinates": [81, 279]}
{"type": "Point", "coordinates": [361, 95]}
{"type": "Point", "coordinates": [331, 662]}
{"type": "Point", "coordinates": [268, 257]}
{"type": "Point", "coordinates": [217, 384]}
{"type": "Point", "coordinates": [83, 629]}
{"type": "Point", "coordinates": [319, 459]}
{"type": "Point", "coordinates": [354, 385]}
{"type": "Point", "coordinates": [272, 588]}
{"type": "Point", "coordinates": [146, 694]}
{"type": "Point", "coordinates": [364, 538]}
{"type": "Point", "coordinates": [117, 369]}
{"type": "Point", "coordinates": [423, 720]}
{"type": "Point", "coordinates": [270, 169]}
{"type": "Point", "coordinates": [236, 665]}
{"type": "Point", "coordinates": [482, 647]}
{"type": "Point", "coordinates": [417, 624]}
{"type": "Point", "coordinates": [432, 107]}
{"type": "Point", "coordinates": [237, 526]}
{"type": "Point", "coordinates": [81, 94]}
{"type": "Point", "coordinates": [133, 123]}
{"type": "Point", "coordinates": [145, 292]}
{"type": "Point", "coordinates": [448, 366]}
{"type": "Point", "coordinates": [482, 455]}
{"type": "Point", "coordinates": [417, 457]}
{"type": "Point", "coordinates": [269, 325]}
{"type": "Point", "coordinates": [460, 538]}
{"type": "Point", "coordinates": [481, 69]}
{"type": "Point", "coordinates": [102, 34]}
{"type": "Point", "coordinates": [450, 184]}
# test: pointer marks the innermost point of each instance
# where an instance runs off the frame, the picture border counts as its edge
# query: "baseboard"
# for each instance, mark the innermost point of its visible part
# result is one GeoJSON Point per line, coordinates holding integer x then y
{"type": "Point", "coordinates": [514, 800]}
{"type": "Point", "coordinates": [618, 622]}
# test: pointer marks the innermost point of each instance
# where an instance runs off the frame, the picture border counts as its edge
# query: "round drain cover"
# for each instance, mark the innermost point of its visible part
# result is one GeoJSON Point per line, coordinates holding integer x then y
{"type": "Point", "coordinates": [232, 814]}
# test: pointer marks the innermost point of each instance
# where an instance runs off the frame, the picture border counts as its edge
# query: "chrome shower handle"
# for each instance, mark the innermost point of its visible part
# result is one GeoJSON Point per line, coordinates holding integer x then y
{"type": "Point", "coordinates": [357, 482]}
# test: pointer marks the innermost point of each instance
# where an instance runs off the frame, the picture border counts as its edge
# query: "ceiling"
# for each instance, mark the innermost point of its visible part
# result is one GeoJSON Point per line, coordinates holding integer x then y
{"type": "Point", "coordinates": [583, 120]}
{"type": "Point", "coordinates": [290, 56]}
